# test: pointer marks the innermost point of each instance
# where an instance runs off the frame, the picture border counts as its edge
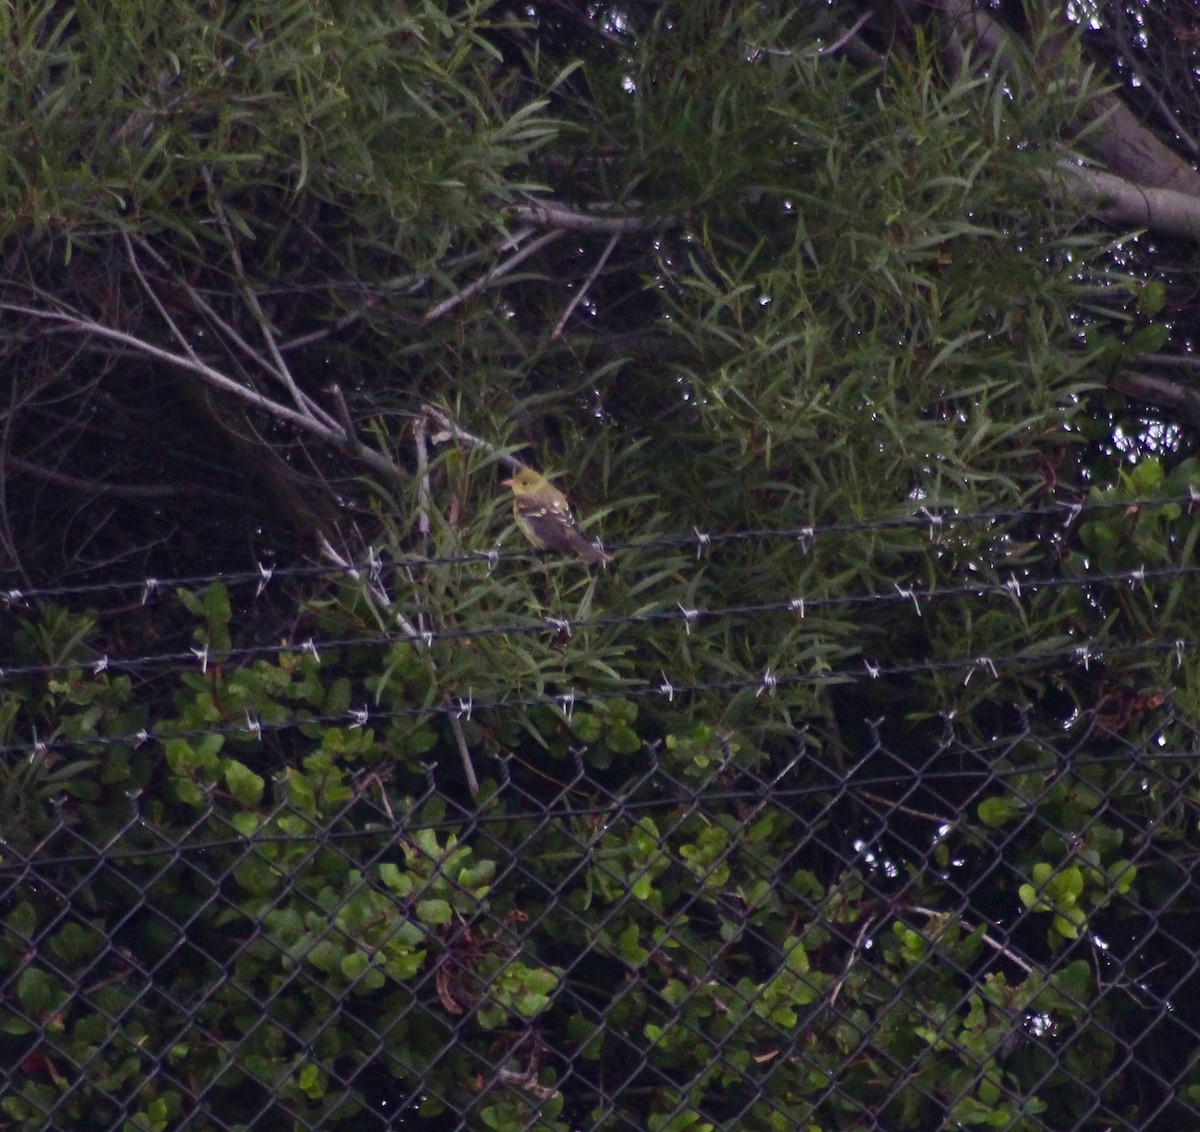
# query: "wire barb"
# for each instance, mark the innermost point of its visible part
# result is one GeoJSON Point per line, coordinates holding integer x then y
{"type": "Point", "coordinates": [909, 595]}
{"type": "Point", "coordinates": [981, 662]}
{"type": "Point", "coordinates": [1073, 510]}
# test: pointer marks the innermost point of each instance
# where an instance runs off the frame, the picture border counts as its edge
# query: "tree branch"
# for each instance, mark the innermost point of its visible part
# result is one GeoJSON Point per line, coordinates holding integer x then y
{"type": "Point", "coordinates": [1116, 201]}
{"type": "Point", "coordinates": [300, 418]}
{"type": "Point", "coordinates": [451, 430]}
{"type": "Point", "coordinates": [1114, 134]}
{"type": "Point", "coordinates": [587, 283]}
{"type": "Point", "coordinates": [548, 214]}
{"type": "Point", "coordinates": [1173, 396]}
{"type": "Point", "coordinates": [502, 269]}
{"type": "Point", "coordinates": [92, 487]}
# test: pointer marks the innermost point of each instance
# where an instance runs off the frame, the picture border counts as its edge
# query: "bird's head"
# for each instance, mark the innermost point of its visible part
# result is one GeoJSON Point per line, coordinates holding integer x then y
{"type": "Point", "coordinates": [526, 482]}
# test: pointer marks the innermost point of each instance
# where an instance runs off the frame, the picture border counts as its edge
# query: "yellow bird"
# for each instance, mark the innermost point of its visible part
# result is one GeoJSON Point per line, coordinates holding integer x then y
{"type": "Point", "coordinates": [544, 517]}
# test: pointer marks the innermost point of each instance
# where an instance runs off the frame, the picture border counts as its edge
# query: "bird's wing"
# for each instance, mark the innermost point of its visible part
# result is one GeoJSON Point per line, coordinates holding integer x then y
{"type": "Point", "coordinates": [553, 526]}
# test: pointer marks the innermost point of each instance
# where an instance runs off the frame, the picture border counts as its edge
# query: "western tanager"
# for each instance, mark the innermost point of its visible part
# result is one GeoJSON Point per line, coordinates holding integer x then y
{"type": "Point", "coordinates": [544, 517]}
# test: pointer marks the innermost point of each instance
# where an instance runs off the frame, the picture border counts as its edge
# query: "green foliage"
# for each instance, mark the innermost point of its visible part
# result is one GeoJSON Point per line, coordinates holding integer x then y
{"type": "Point", "coordinates": [801, 815]}
{"type": "Point", "coordinates": [377, 109]}
{"type": "Point", "coordinates": [392, 945]}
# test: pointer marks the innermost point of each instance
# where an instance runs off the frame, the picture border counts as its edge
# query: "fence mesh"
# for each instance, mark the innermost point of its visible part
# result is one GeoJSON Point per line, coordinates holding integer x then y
{"type": "Point", "coordinates": [929, 933]}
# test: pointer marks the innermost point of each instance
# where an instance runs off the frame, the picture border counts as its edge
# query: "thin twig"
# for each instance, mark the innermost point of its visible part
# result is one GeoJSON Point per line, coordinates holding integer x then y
{"type": "Point", "coordinates": [405, 284]}
{"type": "Point", "coordinates": [994, 944]}
{"type": "Point", "coordinates": [1182, 360]}
{"type": "Point", "coordinates": [858, 942]}
{"type": "Point", "coordinates": [464, 752]}
{"type": "Point", "coordinates": [612, 243]}
{"type": "Point", "coordinates": [1118, 30]}
{"type": "Point", "coordinates": [152, 294]}
{"type": "Point", "coordinates": [77, 324]}
{"type": "Point", "coordinates": [838, 44]}
{"type": "Point", "coordinates": [343, 410]}
{"type": "Point", "coordinates": [892, 804]}
{"type": "Point", "coordinates": [280, 368]}
{"type": "Point", "coordinates": [502, 269]}
{"type": "Point", "coordinates": [227, 329]}
{"type": "Point", "coordinates": [127, 491]}
{"type": "Point", "coordinates": [420, 438]}
{"type": "Point", "coordinates": [451, 430]}
{"type": "Point", "coordinates": [549, 214]}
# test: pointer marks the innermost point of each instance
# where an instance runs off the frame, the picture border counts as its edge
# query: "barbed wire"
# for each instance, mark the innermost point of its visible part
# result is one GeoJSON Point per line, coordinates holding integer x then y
{"type": "Point", "coordinates": [935, 522]}
{"type": "Point", "coordinates": [796, 606]}
{"type": "Point", "coordinates": [1013, 663]}
{"type": "Point", "coordinates": [983, 666]}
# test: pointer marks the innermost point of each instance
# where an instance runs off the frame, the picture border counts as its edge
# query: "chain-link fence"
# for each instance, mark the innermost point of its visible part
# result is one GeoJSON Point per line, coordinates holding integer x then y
{"type": "Point", "coordinates": [929, 933]}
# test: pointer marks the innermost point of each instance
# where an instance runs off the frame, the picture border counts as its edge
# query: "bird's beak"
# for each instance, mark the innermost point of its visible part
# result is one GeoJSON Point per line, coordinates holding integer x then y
{"type": "Point", "coordinates": [506, 483]}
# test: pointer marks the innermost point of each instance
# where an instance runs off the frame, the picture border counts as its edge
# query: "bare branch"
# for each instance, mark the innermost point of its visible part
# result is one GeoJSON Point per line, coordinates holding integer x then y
{"type": "Point", "coordinates": [848, 35]}
{"type": "Point", "coordinates": [451, 430]}
{"type": "Point", "coordinates": [279, 369]}
{"type": "Point", "coordinates": [1119, 34]}
{"type": "Point", "coordinates": [1114, 200]}
{"type": "Point", "coordinates": [547, 214]}
{"type": "Point", "coordinates": [92, 487]}
{"type": "Point", "coordinates": [404, 284]}
{"type": "Point", "coordinates": [420, 427]}
{"type": "Point", "coordinates": [1174, 396]}
{"type": "Point", "coordinates": [612, 243]}
{"type": "Point", "coordinates": [479, 284]}
{"type": "Point", "coordinates": [227, 330]}
{"type": "Point", "coordinates": [301, 419]}
{"type": "Point", "coordinates": [152, 295]}
{"type": "Point", "coordinates": [994, 944]}
{"type": "Point", "coordinates": [1120, 140]}
{"type": "Point", "coordinates": [464, 752]}
{"type": "Point", "coordinates": [1185, 361]}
